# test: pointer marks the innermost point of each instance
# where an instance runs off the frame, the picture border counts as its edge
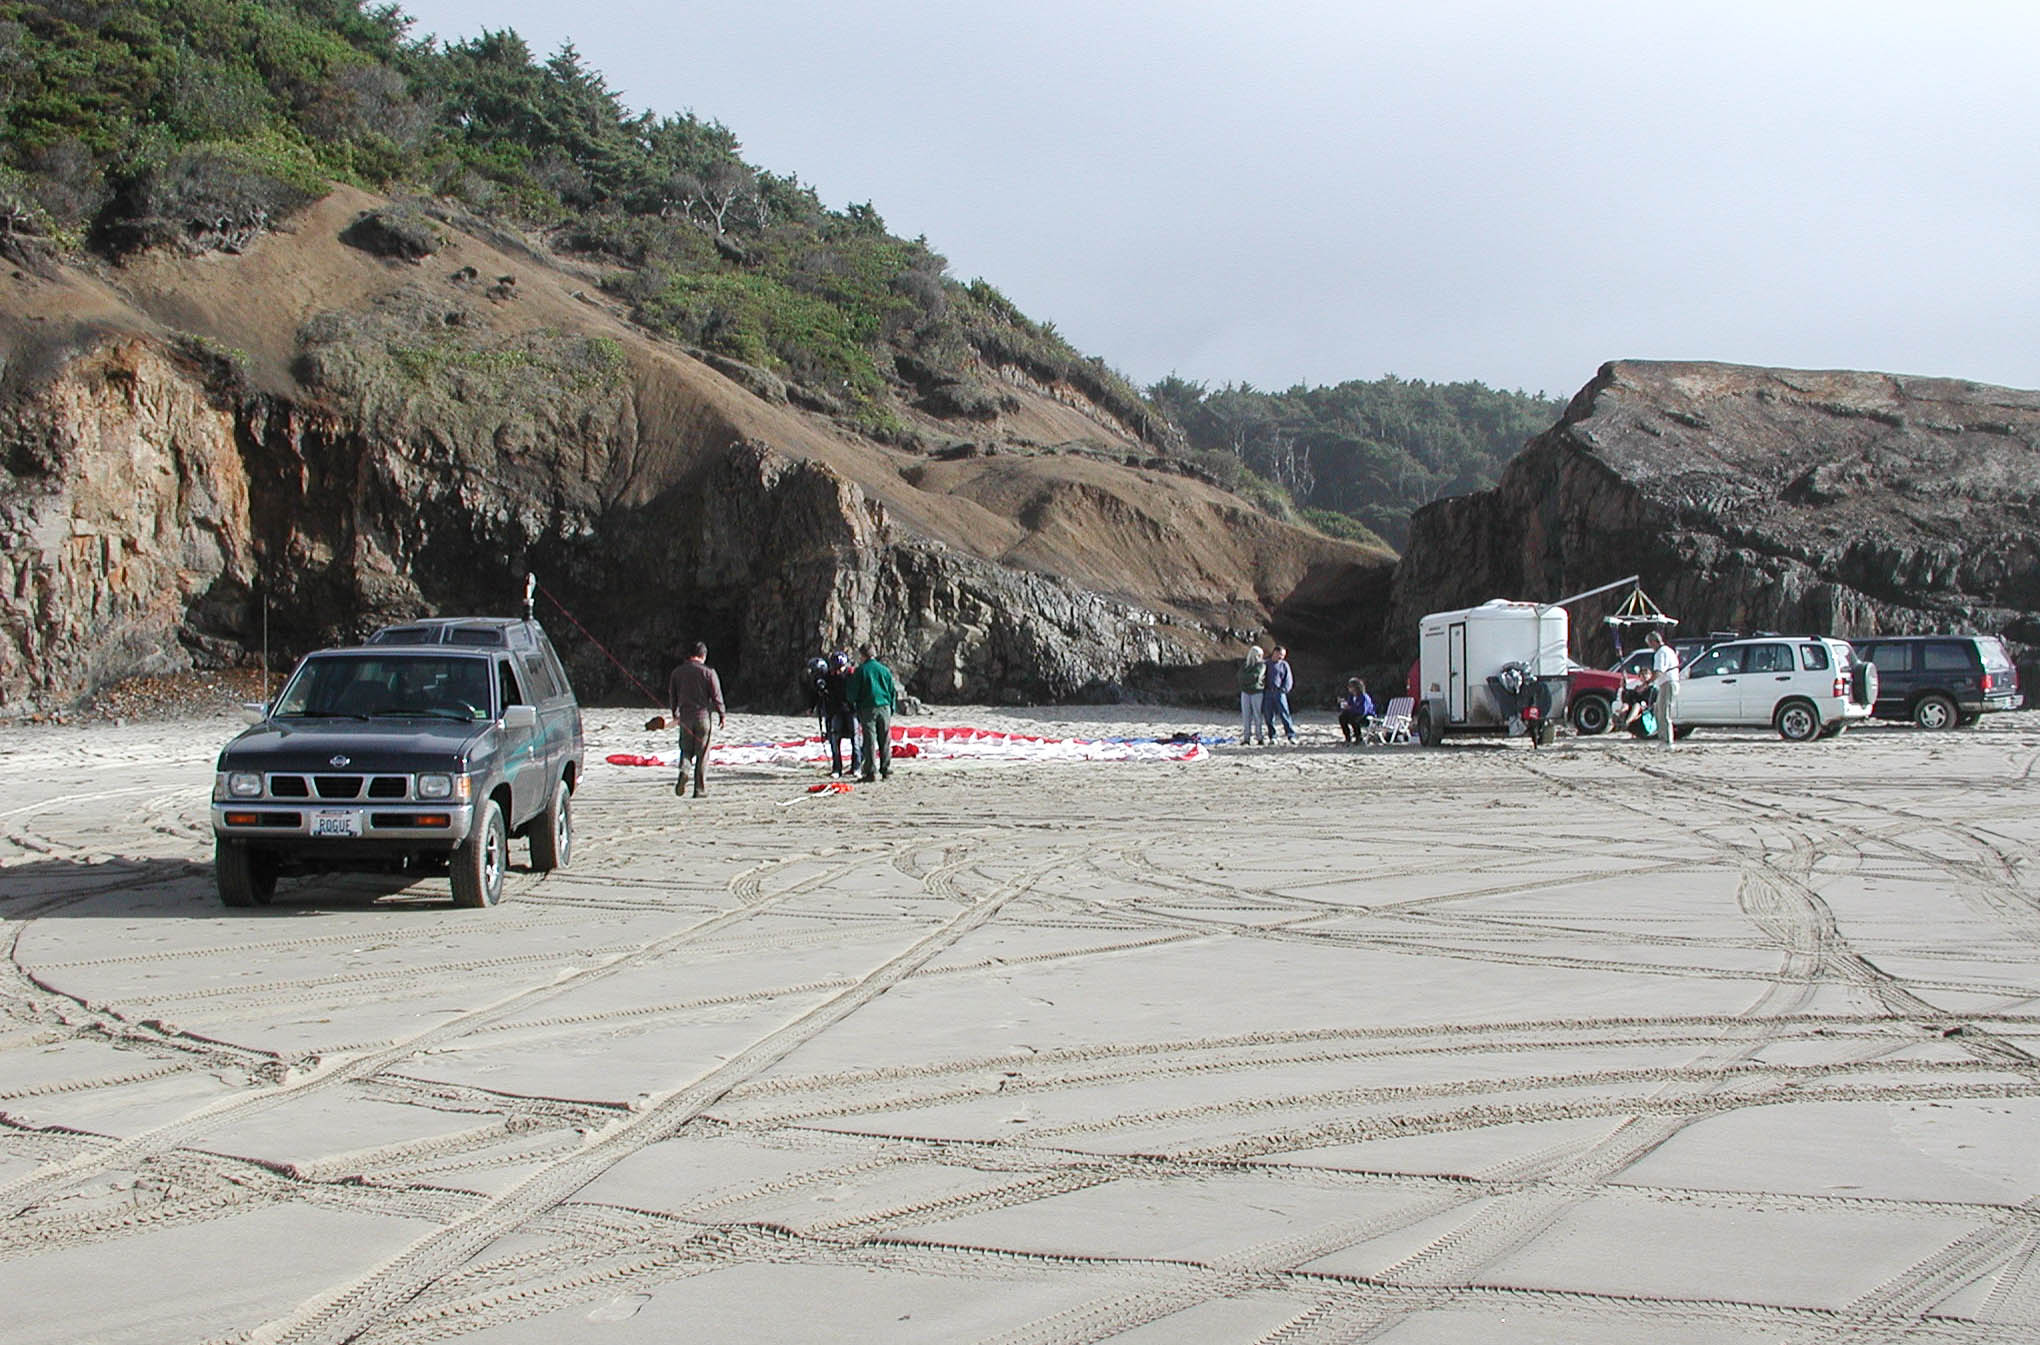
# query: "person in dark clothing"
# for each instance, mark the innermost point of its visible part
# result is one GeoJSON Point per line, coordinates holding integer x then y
{"type": "Point", "coordinates": [839, 721]}
{"type": "Point", "coordinates": [874, 694]}
{"type": "Point", "coordinates": [1275, 695]}
{"type": "Point", "coordinates": [814, 689]}
{"type": "Point", "coordinates": [695, 693]}
{"type": "Point", "coordinates": [1356, 710]}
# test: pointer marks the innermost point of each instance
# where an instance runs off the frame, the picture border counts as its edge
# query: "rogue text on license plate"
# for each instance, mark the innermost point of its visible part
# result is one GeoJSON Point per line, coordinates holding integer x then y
{"type": "Point", "coordinates": [336, 822]}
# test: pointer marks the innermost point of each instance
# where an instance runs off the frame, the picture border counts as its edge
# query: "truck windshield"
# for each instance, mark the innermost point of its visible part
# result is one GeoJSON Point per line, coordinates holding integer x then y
{"type": "Point", "coordinates": [371, 686]}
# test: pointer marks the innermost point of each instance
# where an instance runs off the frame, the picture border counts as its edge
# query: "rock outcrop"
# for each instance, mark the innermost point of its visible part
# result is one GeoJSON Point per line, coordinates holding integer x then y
{"type": "Point", "coordinates": [1843, 503]}
{"type": "Point", "coordinates": [312, 438]}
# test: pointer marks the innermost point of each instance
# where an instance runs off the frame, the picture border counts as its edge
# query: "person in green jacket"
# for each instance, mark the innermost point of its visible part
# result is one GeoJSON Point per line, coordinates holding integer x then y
{"type": "Point", "coordinates": [873, 694]}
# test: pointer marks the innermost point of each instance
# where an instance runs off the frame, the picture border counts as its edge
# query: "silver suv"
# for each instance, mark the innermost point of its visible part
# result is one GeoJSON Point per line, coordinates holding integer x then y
{"type": "Point", "coordinates": [1804, 686]}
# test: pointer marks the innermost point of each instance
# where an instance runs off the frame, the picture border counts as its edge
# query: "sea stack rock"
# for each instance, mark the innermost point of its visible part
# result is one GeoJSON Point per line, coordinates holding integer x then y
{"type": "Point", "coordinates": [1775, 499]}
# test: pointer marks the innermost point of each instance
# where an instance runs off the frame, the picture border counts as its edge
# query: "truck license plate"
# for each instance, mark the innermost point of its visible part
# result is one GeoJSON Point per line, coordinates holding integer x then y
{"type": "Point", "coordinates": [336, 822]}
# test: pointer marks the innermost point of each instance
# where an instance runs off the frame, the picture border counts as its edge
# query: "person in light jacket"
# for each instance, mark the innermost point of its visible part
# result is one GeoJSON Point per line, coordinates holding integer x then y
{"type": "Point", "coordinates": [1253, 677]}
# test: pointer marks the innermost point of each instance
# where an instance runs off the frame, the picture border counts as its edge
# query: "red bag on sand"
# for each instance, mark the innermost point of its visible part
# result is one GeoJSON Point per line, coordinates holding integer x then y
{"type": "Point", "coordinates": [655, 723]}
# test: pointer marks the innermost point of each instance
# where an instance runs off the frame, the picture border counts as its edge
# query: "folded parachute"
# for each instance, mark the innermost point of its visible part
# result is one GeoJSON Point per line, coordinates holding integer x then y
{"type": "Point", "coordinates": [937, 743]}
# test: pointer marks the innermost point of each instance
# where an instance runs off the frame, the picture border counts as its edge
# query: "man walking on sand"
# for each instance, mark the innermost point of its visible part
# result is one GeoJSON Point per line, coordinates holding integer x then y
{"type": "Point", "coordinates": [873, 694]}
{"type": "Point", "coordinates": [1664, 679]}
{"type": "Point", "coordinates": [695, 692]}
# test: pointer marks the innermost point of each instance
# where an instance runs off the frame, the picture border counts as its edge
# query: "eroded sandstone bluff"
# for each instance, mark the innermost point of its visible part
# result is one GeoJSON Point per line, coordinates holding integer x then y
{"type": "Point", "coordinates": [1773, 499]}
{"type": "Point", "coordinates": [309, 439]}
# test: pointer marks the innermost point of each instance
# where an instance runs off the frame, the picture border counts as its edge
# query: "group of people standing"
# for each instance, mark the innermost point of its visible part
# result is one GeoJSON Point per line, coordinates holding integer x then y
{"type": "Point", "coordinates": [855, 703]}
{"type": "Point", "coordinates": [1660, 689]}
{"type": "Point", "coordinates": [1265, 684]}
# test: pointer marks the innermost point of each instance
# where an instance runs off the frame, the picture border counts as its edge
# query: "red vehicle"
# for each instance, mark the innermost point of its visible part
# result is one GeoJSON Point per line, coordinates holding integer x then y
{"type": "Point", "coordinates": [1591, 697]}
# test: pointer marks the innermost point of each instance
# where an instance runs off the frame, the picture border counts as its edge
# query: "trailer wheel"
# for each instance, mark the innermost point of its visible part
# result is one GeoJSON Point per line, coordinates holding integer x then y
{"type": "Point", "coordinates": [1429, 731]}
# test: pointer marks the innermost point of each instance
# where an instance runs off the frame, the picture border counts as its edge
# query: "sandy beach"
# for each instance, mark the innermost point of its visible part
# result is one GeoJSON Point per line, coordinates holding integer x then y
{"type": "Point", "coordinates": [1604, 1042]}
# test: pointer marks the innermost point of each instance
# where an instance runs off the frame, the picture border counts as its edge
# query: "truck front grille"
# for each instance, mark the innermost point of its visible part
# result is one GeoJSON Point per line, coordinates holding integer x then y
{"type": "Point", "coordinates": [340, 787]}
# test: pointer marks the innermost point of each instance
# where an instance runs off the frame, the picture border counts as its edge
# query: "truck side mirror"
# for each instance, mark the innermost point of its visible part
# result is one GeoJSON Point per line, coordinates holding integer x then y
{"type": "Point", "coordinates": [254, 712]}
{"type": "Point", "coordinates": [520, 717]}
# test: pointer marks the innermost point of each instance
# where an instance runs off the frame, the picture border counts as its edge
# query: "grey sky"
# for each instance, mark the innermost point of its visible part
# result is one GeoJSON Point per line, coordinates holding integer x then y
{"type": "Point", "coordinates": [1296, 191]}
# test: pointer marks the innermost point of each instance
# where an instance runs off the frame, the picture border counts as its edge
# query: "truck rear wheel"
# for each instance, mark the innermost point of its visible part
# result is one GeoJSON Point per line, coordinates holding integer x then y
{"type": "Point", "coordinates": [477, 867]}
{"type": "Point", "coordinates": [1935, 711]}
{"type": "Point", "coordinates": [1797, 721]}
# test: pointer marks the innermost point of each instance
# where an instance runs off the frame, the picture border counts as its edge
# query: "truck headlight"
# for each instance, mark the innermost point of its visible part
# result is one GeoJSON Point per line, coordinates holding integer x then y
{"type": "Point", "coordinates": [440, 786]}
{"type": "Point", "coordinates": [244, 784]}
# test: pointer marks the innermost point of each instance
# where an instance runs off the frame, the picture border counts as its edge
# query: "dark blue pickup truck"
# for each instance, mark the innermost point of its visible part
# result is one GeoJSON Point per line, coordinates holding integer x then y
{"type": "Point", "coordinates": [425, 749]}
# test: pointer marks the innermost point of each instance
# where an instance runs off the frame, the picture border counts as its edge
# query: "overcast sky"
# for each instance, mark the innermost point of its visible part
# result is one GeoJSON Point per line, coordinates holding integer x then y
{"type": "Point", "coordinates": [1294, 191]}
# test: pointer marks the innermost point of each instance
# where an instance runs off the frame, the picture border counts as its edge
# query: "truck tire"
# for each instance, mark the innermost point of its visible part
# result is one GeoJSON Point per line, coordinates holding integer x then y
{"type": "Point", "coordinates": [1429, 731]}
{"type": "Point", "coordinates": [477, 867]}
{"type": "Point", "coordinates": [552, 832]}
{"type": "Point", "coordinates": [1797, 721]}
{"type": "Point", "coordinates": [244, 877]}
{"type": "Point", "coordinates": [1935, 711]}
{"type": "Point", "coordinates": [1591, 715]}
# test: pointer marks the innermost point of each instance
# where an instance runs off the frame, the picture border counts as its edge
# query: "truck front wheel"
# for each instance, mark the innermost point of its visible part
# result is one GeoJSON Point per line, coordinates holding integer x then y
{"type": "Point", "coordinates": [244, 877]}
{"type": "Point", "coordinates": [1591, 715]}
{"type": "Point", "coordinates": [552, 834]}
{"type": "Point", "coordinates": [477, 867]}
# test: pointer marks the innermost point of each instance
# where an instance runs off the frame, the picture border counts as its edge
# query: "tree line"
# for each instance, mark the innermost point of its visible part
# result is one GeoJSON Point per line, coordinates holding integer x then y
{"type": "Point", "coordinates": [199, 123]}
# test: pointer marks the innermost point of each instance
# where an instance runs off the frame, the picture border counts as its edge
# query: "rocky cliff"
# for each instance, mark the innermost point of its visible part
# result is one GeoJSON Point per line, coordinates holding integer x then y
{"type": "Point", "coordinates": [315, 436]}
{"type": "Point", "coordinates": [1844, 503]}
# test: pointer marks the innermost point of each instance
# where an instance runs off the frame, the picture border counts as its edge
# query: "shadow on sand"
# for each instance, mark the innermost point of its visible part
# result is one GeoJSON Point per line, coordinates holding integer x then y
{"type": "Point", "coordinates": [124, 888]}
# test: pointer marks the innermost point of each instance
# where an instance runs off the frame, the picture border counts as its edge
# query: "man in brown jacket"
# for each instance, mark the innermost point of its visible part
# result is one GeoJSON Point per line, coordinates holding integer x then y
{"type": "Point", "coordinates": [695, 692]}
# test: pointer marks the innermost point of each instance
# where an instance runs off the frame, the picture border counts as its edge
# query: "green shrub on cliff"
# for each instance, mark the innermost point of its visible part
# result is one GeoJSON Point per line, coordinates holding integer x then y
{"type": "Point", "coordinates": [199, 123]}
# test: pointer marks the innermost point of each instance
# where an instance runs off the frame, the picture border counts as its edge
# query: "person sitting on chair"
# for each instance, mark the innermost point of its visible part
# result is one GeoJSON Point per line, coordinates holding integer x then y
{"type": "Point", "coordinates": [1356, 711]}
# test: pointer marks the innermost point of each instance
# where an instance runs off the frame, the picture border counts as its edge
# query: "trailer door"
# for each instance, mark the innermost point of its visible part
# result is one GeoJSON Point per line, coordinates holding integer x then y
{"type": "Point", "coordinates": [1455, 676]}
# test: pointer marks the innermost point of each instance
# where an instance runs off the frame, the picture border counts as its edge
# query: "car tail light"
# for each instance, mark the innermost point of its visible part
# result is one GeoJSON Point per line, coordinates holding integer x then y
{"type": "Point", "coordinates": [1841, 686]}
{"type": "Point", "coordinates": [1986, 682]}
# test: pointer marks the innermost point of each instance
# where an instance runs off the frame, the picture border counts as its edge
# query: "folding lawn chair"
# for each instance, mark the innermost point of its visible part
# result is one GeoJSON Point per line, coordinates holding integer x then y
{"type": "Point", "coordinates": [1395, 722]}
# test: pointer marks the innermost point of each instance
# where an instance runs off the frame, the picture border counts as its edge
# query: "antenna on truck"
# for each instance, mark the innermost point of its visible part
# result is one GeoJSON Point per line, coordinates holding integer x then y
{"type": "Point", "coordinates": [530, 594]}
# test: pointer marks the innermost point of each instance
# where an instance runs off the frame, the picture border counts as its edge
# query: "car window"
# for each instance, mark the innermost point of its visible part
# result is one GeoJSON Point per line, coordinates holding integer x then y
{"type": "Point", "coordinates": [541, 680]}
{"type": "Point", "coordinates": [1814, 658]}
{"type": "Point", "coordinates": [1719, 662]}
{"type": "Point", "coordinates": [511, 694]}
{"type": "Point", "coordinates": [1944, 656]}
{"type": "Point", "coordinates": [398, 685]}
{"type": "Point", "coordinates": [1993, 651]}
{"type": "Point", "coordinates": [1769, 658]}
{"type": "Point", "coordinates": [1889, 658]}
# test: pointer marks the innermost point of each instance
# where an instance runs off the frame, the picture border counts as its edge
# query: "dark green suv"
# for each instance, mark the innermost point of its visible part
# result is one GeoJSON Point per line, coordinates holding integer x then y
{"type": "Point", "coordinates": [1941, 681]}
{"type": "Point", "coordinates": [426, 749]}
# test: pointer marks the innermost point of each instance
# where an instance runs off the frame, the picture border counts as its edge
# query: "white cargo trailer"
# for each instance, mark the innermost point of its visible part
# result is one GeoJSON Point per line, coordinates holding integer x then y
{"type": "Point", "coordinates": [1478, 667]}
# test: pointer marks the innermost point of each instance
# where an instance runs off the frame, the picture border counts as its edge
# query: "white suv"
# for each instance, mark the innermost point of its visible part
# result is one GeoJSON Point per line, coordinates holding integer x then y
{"type": "Point", "coordinates": [1805, 686]}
